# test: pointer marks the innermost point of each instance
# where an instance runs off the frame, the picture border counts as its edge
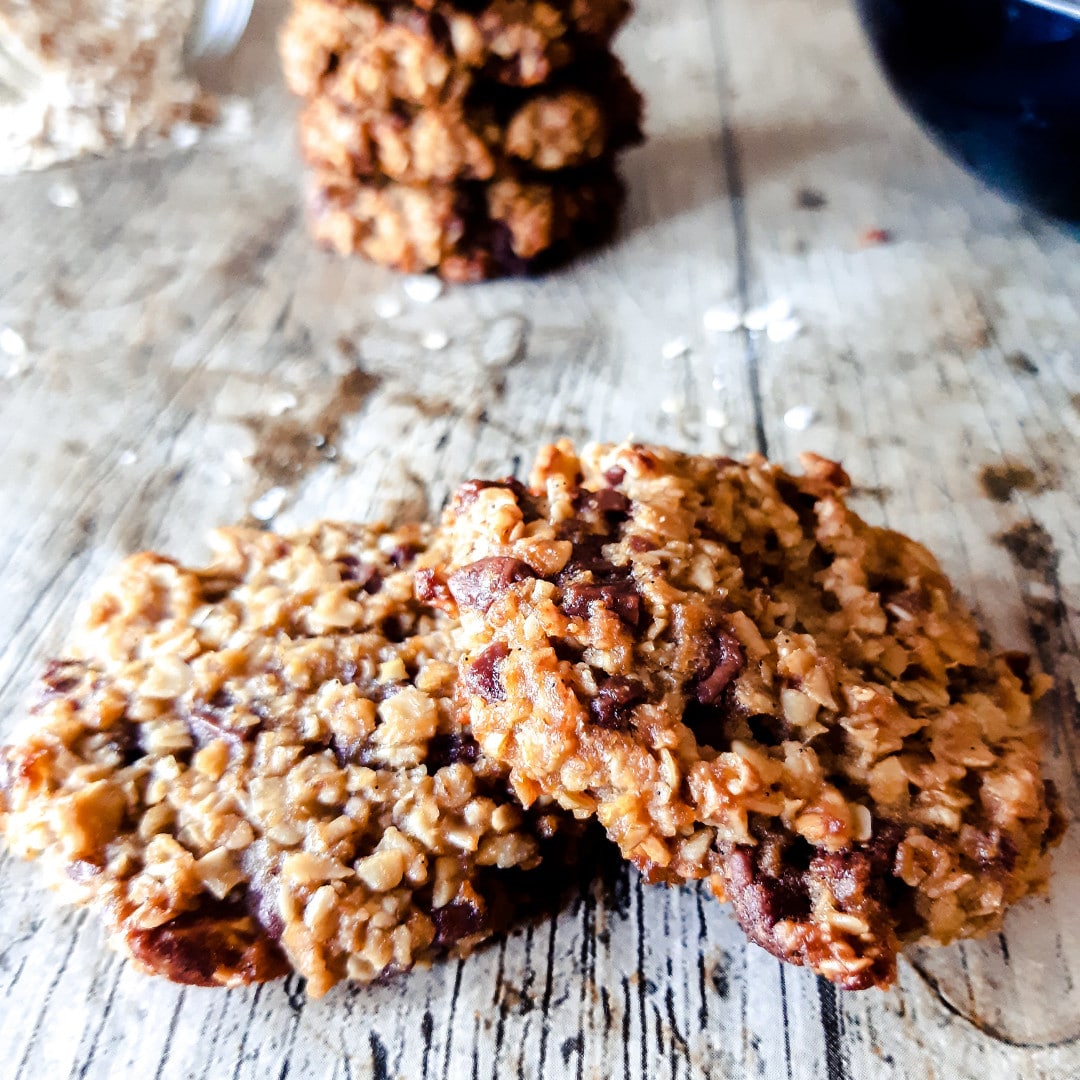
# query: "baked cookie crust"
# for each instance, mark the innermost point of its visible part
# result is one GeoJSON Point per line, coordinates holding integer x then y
{"type": "Point", "coordinates": [746, 683]}
{"type": "Point", "coordinates": [260, 765]}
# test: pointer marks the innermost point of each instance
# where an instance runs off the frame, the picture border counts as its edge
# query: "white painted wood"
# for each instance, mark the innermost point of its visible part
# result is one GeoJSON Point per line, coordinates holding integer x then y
{"type": "Point", "coordinates": [180, 303]}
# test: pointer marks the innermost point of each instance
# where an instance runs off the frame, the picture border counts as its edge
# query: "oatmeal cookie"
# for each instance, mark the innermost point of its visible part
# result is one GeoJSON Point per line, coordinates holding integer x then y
{"type": "Point", "coordinates": [561, 129]}
{"type": "Point", "coordinates": [430, 53]}
{"type": "Point", "coordinates": [259, 766]}
{"type": "Point", "coordinates": [466, 231]}
{"type": "Point", "coordinates": [745, 682]}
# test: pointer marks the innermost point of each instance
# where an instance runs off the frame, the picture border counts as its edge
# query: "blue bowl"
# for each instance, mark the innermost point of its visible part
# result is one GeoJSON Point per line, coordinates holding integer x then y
{"type": "Point", "coordinates": [997, 83]}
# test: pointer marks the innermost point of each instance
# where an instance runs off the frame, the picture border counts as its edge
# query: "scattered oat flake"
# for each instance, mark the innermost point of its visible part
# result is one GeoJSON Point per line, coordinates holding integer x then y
{"type": "Point", "coordinates": [435, 340]}
{"type": "Point", "coordinates": [388, 306]}
{"type": "Point", "coordinates": [716, 418]}
{"type": "Point", "coordinates": [505, 341]}
{"type": "Point", "coordinates": [268, 504]}
{"type": "Point", "coordinates": [235, 120]}
{"type": "Point", "coordinates": [783, 329]}
{"type": "Point", "coordinates": [237, 459]}
{"type": "Point", "coordinates": [12, 342]}
{"type": "Point", "coordinates": [185, 135]}
{"type": "Point", "coordinates": [64, 195]}
{"type": "Point", "coordinates": [423, 288]}
{"type": "Point", "coordinates": [759, 318]}
{"type": "Point", "coordinates": [671, 405]}
{"type": "Point", "coordinates": [718, 320]}
{"type": "Point", "coordinates": [128, 457]}
{"type": "Point", "coordinates": [800, 417]}
{"type": "Point", "coordinates": [675, 348]}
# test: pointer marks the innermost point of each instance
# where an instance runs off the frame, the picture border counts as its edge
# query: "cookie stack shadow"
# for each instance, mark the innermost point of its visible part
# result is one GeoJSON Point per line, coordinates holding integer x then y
{"type": "Point", "coordinates": [473, 139]}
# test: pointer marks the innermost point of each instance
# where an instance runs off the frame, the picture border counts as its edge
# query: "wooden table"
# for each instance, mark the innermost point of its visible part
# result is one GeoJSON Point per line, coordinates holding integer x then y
{"type": "Point", "coordinates": [188, 351]}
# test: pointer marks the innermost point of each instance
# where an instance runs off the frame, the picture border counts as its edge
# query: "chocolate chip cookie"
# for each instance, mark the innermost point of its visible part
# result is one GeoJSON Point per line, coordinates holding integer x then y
{"type": "Point", "coordinates": [259, 765]}
{"type": "Point", "coordinates": [430, 53]}
{"type": "Point", "coordinates": [745, 682]}
{"type": "Point", "coordinates": [550, 130]}
{"type": "Point", "coordinates": [512, 225]}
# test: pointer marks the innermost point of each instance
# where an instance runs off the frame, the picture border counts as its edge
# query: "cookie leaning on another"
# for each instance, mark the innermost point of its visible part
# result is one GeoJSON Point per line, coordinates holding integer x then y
{"type": "Point", "coordinates": [259, 765]}
{"type": "Point", "coordinates": [745, 682]}
{"type": "Point", "coordinates": [302, 755]}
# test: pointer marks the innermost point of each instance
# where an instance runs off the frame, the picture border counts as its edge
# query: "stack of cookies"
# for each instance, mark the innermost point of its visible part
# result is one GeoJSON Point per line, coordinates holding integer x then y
{"type": "Point", "coordinates": [474, 139]}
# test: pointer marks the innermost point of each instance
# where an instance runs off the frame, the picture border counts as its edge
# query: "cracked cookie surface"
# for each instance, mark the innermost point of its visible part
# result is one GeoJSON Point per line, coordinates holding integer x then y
{"type": "Point", "coordinates": [259, 765]}
{"type": "Point", "coordinates": [745, 682]}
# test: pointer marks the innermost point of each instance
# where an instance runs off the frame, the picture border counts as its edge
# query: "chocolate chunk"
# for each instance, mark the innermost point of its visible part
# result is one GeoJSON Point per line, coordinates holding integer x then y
{"type": "Point", "coordinates": [568, 650]}
{"type": "Point", "coordinates": [725, 661]}
{"type": "Point", "coordinates": [346, 751]}
{"type": "Point", "coordinates": [60, 677]}
{"type": "Point", "coordinates": [614, 505]}
{"type": "Point", "coordinates": [587, 556]}
{"type": "Point", "coordinates": [962, 680]}
{"type": "Point", "coordinates": [451, 749]}
{"type": "Point", "coordinates": [404, 554]}
{"type": "Point", "coordinates": [776, 880]}
{"type": "Point", "coordinates": [761, 902]}
{"type": "Point", "coordinates": [993, 850]}
{"type": "Point", "coordinates": [350, 568]}
{"type": "Point", "coordinates": [615, 699]}
{"type": "Point", "coordinates": [479, 584]}
{"type": "Point", "coordinates": [638, 544]}
{"type": "Point", "coordinates": [431, 588]}
{"type": "Point", "coordinates": [767, 729]}
{"type": "Point", "coordinates": [620, 597]}
{"type": "Point", "coordinates": [709, 723]}
{"type": "Point", "coordinates": [467, 493]}
{"type": "Point", "coordinates": [395, 628]}
{"type": "Point", "coordinates": [847, 874]}
{"type": "Point", "coordinates": [215, 719]}
{"type": "Point", "coordinates": [1055, 828]}
{"type": "Point", "coordinates": [483, 675]}
{"type": "Point", "coordinates": [125, 739]}
{"type": "Point", "coordinates": [192, 948]}
{"type": "Point", "coordinates": [261, 897]}
{"type": "Point", "coordinates": [881, 847]}
{"type": "Point", "coordinates": [615, 475]}
{"type": "Point", "coordinates": [457, 920]}
{"type": "Point", "coordinates": [503, 257]}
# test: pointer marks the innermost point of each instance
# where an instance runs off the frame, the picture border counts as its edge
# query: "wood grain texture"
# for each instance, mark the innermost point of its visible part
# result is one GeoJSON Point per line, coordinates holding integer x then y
{"type": "Point", "coordinates": [172, 317]}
